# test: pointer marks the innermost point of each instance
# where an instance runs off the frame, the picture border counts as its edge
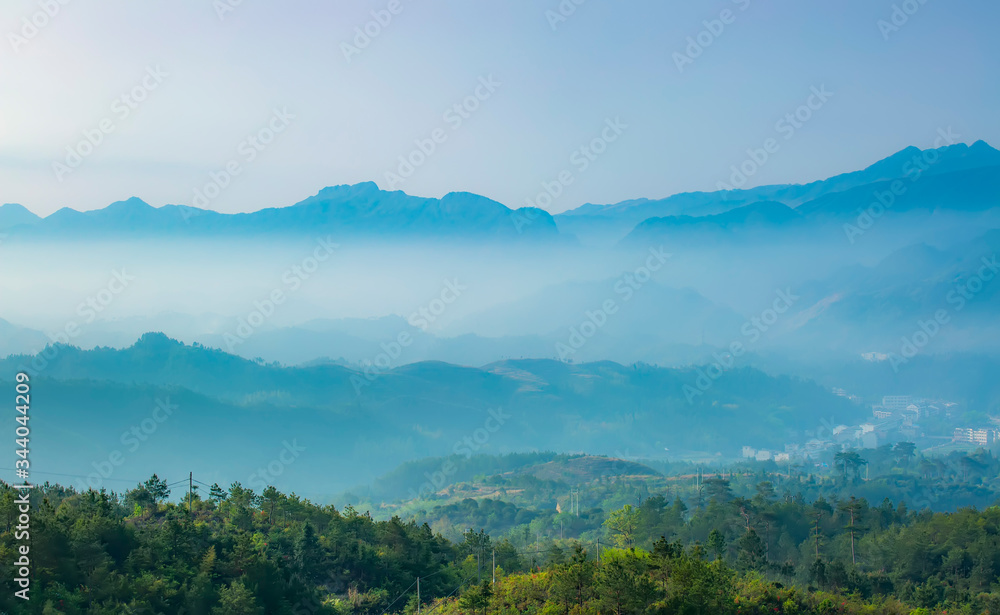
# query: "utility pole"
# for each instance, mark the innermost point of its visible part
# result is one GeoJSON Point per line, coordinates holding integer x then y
{"type": "Point", "coordinates": [494, 566]}
{"type": "Point", "coordinates": [598, 552]}
{"type": "Point", "coordinates": [816, 532]}
{"type": "Point", "coordinates": [418, 595]}
{"type": "Point", "coordinates": [190, 490]}
{"type": "Point", "coordinates": [698, 479]}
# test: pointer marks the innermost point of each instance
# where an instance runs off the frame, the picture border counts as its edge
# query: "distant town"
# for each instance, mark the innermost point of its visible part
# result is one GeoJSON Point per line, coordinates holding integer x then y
{"type": "Point", "coordinates": [934, 425]}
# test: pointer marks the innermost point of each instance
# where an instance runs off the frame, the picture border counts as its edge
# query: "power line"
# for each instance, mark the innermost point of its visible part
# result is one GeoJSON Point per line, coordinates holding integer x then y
{"type": "Point", "coordinates": [435, 573]}
{"type": "Point", "coordinates": [124, 480]}
{"type": "Point", "coordinates": [411, 587]}
{"type": "Point", "coordinates": [448, 596]}
{"type": "Point", "coordinates": [398, 597]}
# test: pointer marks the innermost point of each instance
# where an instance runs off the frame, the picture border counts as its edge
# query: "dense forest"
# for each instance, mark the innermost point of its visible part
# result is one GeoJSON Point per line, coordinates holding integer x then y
{"type": "Point", "coordinates": [735, 545]}
{"type": "Point", "coordinates": [524, 497]}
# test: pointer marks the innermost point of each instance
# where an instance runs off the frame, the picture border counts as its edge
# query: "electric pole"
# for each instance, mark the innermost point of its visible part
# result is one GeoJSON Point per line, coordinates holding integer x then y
{"type": "Point", "coordinates": [190, 490]}
{"type": "Point", "coordinates": [418, 595]}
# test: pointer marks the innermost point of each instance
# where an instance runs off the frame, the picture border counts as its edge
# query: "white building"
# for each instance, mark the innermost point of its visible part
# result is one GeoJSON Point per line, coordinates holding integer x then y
{"type": "Point", "coordinates": [749, 452]}
{"type": "Point", "coordinates": [897, 403]}
{"type": "Point", "coordinates": [880, 412]}
{"type": "Point", "coordinates": [763, 455]}
{"type": "Point", "coordinates": [974, 436]}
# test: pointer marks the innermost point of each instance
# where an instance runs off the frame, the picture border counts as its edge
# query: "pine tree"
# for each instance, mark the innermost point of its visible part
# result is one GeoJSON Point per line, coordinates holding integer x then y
{"type": "Point", "coordinates": [237, 599]}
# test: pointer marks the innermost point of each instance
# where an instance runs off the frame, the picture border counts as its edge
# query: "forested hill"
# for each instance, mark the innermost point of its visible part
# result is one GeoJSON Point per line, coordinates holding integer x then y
{"type": "Point", "coordinates": [237, 552]}
{"type": "Point", "coordinates": [398, 414]}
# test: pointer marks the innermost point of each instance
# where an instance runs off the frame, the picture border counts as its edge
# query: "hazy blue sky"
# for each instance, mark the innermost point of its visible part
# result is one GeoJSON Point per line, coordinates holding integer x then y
{"type": "Point", "coordinates": [353, 119]}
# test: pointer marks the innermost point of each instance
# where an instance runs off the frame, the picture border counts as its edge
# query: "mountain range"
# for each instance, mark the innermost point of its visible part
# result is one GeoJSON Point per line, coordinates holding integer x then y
{"type": "Point", "coordinates": [831, 197]}
{"type": "Point", "coordinates": [956, 177]}
{"type": "Point", "coordinates": [580, 332]}
{"type": "Point", "coordinates": [91, 398]}
{"type": "Point", "coordinates": [358, 209]}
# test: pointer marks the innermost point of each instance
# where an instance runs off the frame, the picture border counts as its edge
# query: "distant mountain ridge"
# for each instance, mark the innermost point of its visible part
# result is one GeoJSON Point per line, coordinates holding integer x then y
{"type": "Point", "coordinates": [365, 210]}
{"type": "Point", "coordinates": [361, 209]}
{"type": "Point", "coordinates": [13, 215]}
{"type": "Point", "coordinates": [759, 214]}
{"type": "Point", "coordinates": [567, 406]}
{"type": "Point", "coordinates": [951, 158]}
{"type": "Point", "coordinates": [969, 191]}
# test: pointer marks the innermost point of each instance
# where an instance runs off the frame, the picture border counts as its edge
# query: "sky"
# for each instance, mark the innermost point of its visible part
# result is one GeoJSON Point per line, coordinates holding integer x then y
{"type": "Point", "coordinates": [207, 82]}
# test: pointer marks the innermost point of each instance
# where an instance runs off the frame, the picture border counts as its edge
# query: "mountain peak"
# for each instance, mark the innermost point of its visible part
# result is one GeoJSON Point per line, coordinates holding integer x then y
{"type": "Point", "coordinates": [13, 214]}
{"type": "Point", "coordinates": [348, 190]}
{"type": "Point", "coordinates": [155, 340]}
{"type": "Point", "coordinates": [982, 146]}
{"type": "Point", "coordinates": [469, 198]}
{"type": "Point", "coordinates": [130, 204]}
{"type": "Point", "coordinates": [366, 187]}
